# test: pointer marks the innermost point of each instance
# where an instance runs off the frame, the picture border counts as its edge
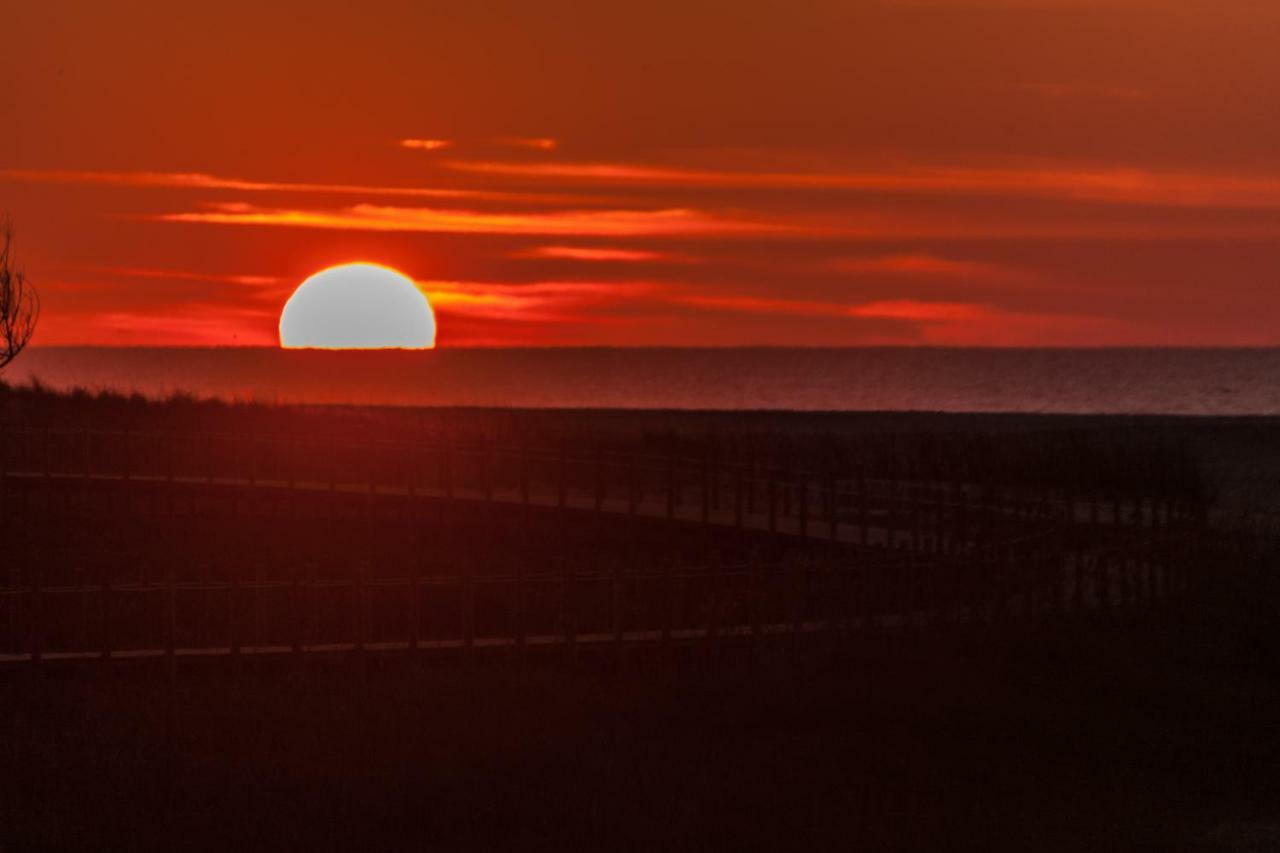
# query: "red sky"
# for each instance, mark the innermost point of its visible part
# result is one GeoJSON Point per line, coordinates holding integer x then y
{"type": "Point", "coordinates": [1005, 172]}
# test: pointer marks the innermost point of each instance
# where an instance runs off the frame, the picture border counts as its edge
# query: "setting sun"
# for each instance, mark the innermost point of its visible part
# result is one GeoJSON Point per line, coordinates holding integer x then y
{"type": "Point", "coordinates": [358, 306]}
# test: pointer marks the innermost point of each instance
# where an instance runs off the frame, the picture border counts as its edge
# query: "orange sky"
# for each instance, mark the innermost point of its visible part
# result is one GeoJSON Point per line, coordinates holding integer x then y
{"type": "Point", "coordinates": [834, 172]}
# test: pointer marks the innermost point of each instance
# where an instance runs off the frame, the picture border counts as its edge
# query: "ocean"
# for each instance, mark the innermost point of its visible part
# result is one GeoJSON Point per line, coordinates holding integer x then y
{"type": "Point", "coordinates": [1116, 381]}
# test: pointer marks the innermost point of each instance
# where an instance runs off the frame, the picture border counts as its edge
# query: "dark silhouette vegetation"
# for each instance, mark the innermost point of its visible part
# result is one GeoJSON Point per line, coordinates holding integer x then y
{"type": "Point", "coordinates": [249, 626]}
{"type": "Point", "coordinates": [19, 302]}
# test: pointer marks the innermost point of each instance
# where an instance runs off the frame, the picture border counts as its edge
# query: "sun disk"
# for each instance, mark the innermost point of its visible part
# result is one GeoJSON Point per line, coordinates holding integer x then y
{"type": "Point", "coordinates": [358, 306]}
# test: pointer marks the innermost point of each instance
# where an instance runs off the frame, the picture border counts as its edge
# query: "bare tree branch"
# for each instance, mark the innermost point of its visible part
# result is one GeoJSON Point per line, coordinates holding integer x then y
{"type": "Point", "coordinates": [19, 304]}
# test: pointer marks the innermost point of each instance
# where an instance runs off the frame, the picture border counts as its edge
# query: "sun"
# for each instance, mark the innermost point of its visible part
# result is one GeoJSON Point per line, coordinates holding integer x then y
{"type": "Point", "coordinates": [358, 306]}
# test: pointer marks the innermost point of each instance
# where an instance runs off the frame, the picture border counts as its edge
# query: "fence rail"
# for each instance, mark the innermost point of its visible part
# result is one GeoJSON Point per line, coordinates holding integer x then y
{"type": "Point", "coordinates": [850, 553]}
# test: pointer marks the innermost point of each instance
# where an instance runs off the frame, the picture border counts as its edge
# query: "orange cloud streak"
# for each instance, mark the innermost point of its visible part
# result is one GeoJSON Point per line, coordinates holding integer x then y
{"type": "Point", "coordinates": [183, 275]}
{"type": "Point", "coordinates": [584, 253]}
{"type": "Point", "coordinates": [1114, 185]}
{"type": "Point", "coordinates": [538, 143]}
{"type": "Point", "coordinates": [367, 217]}
{"type": "Point", "coordinates": [201, 324]}
{"type": "Point", "coordinates": [690, 222]}
{"type": "Point", "coordinates": [202, 181]}
{"type": "Point", "coordinates": [425, 144]}
{"type": "Point", "coordinates": [914, 309]}
{"type": "Point", "coordinates": [921, 264]}
{"type": "Point", "coordinates": [542, 301]}
{"type": "Point", "coordinates": [945, 323]}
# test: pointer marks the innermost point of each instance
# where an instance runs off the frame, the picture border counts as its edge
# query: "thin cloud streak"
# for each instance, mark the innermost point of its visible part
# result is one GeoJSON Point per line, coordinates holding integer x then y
{"type": "Point", "coordinates": [922, 265]}
{"type": "Point", "coordinates": [942, 323]}
{"type": "Point", "coordinates": [1108, 185]}
{"type": "Point", "coordinates": [536, 143]}
{"type": "Point", "coordinates": [185, 275]}
{"type": "Point", "coordinates": [541, 301]}
{"type": "Point", "coordinates": [425, 144]}
{"type": "Point", "coordinates": [916, 309]}
{"type": "Point", "coordinates": [586, 253]}
{"type": "Point", "coordinates": [367, 217]}
{"type": "Point", "coordinates": [683, 222]}
{"type": "Point", "coordinates": [202, 181]}
{"type": "Point", "coordinates": [196, 324]}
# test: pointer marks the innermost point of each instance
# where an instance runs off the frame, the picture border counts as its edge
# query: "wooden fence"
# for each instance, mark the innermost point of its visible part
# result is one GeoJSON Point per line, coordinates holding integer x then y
{"type": "Point", "coordinates": [777, 554]}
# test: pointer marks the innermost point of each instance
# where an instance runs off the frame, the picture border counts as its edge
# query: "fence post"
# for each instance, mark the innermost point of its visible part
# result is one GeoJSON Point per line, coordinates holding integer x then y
{"type": "Point", "coordinates": [562, 476]}
{"type": "Point", "coordinates": [86, 451]}
{"type": "Point", "coordinates": [706, 492]}
{"type": "Point", "coordinates": [171, 461]}
{"type": "Point", "coordinates": [833, 509]}
{"type": "Point", "coordinates": [615, 606]}
{"type": "Point", "coordinates": [671, 487]}
{"type": "Point", "coordinates": [446, 465]}
{"type": "Point", "coordinates": [599, 472]}
{"type": "Point", "coordinates": [523, 452]}
{"type": "Point", "coordinates": [171, 622]}
{"type": "Point", "coordinates": [484, 458]}
{"type": "Point", "coordinates": [233, 614]}
{"type": "Point", "coordinates": [46, 461]}
{"type": "Point", "coordinates": [913, 515]}
{"type": "Point", "coordinates": [104, 651]}
{"type": "Point", "coordinates": [358, 608]}
{"type": "Point", "coordinates": [469, 607]}
{"type": "Point", "coordinates": [804, 506]}
{"type": "Point", "coordinates": [35, 616]}
{"type": "Point", "coordinates": [773, 503]}
{"type": "Point", "coordinates": [755, 598]}
{"type": "Point", "coordinates": [737, 496]}
{"type": "Point", "coordinates": [299, 610]}
{"type": "Point", "coordinates": [567, 627]}
{"type": "Point", "coordinates": [864, 510]}
{"type": "Point", "coordinates": [335, 449]}
{"type": "Point", "coordinates": [633, 486]}
{"type": "Point", "coordinates": [668, 600]}
{"type": "Point", "coordinates": [891, 514]}
{"type": "Point", "coordinates": [715, 581]}
{"type": "Point", "coordinates": [518, 609]}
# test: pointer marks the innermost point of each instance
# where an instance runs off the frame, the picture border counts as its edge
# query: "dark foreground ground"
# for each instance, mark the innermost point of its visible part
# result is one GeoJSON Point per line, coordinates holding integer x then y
{"type": "Point", "coordinates": [1161, 734]}
{"type": "Point", "coordinates": [1093, 738]}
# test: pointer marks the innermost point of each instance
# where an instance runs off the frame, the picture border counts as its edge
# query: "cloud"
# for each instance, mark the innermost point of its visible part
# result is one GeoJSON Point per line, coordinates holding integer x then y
{"type": "Point", "coordinates": [185, 275]}
{"type": "Point", "coordinates": [944, 323]}
{"type": "Point", "coordinates": [196, 324]}
{"type": "Point", "coordinates": [687, 222]}
{"type": "Point", "coordinates": [368, 217]}
{"type": "Point", "coordinates": [764, 305]}
{"type": "Point", "coordinates": [539, 301]}
{"type": "Point", "coordinates": [425, 144]}
{"type": "Point", "coordinates": [914, 309]}
{"type": "Point", "coordinates": [537, 143]}
{"type": "Point", "coordinates": [921, 264]}
{"type": "Point", "coordinates": [591, 253]}
{"type": "Point", "coordinates": [1114, 185]}
{"type": "Point", "coordinates": [202, 181]}
{"type": "Point", "coordinates": [900, 309]}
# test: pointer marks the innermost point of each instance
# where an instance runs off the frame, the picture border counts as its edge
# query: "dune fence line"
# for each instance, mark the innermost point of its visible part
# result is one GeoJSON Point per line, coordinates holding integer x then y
{"type": "Point", "coordinates": [183, 546]}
